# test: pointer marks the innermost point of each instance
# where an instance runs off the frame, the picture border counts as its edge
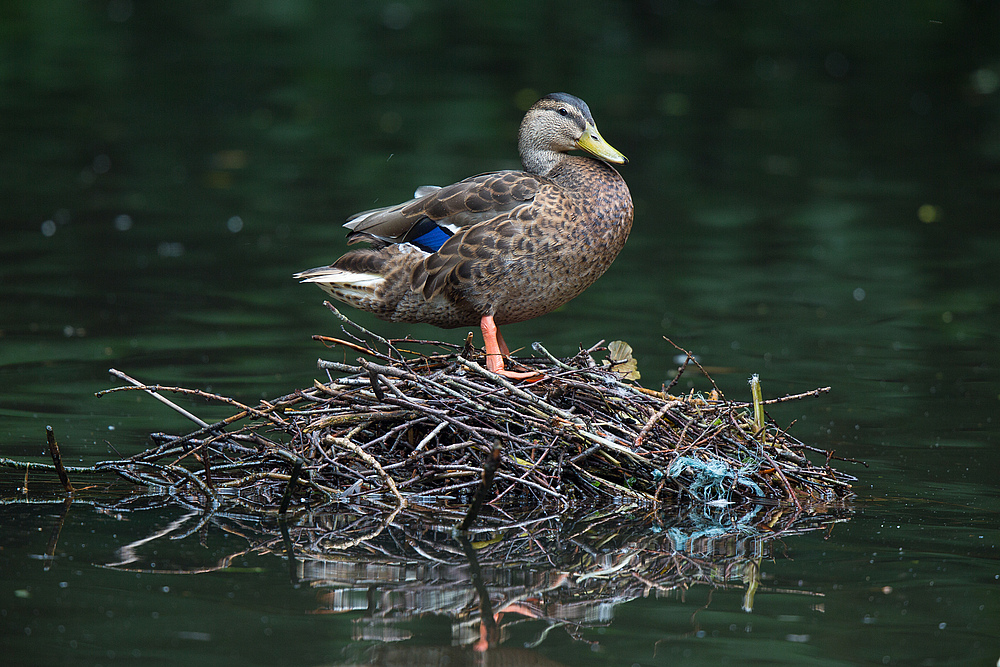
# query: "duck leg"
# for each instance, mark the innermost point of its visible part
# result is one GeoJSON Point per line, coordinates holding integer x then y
{"type": "Point", "coordinates": [504, 350]}
{"type": "Point", "coordinates": [496, 350]}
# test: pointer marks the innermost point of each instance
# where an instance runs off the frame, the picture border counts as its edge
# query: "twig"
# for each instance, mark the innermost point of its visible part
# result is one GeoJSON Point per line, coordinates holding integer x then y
{"type": "Point", "coordinates": [366, 332]}
{"type": "Point", "coordinates": [655, 418]}
{"type": "Point", "coordinates": [538, 347]}
{"type": "Point", "coordinates": [427, 438]}
{"type": "Point", "coordinates": [695, 361]}
{"type": "Point", "coordinates": [152, 392]}
{"type": "Point", "coordinates": [370, 460]}
{"type": "Point", "coordinates": [57, 459]}
{"type": "Point", "coordinates": [489, 470]}
{"type": "Point", "coordinates": [287, 496]}
{"type": "Point", "coordinates": [791, 397]}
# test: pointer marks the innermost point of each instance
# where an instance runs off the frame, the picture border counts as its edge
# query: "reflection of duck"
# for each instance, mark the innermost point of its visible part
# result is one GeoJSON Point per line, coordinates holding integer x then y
{"type": "Point", "coordinates": [405, 653]}
{"type": "Point", "coordinates": [497, 248]}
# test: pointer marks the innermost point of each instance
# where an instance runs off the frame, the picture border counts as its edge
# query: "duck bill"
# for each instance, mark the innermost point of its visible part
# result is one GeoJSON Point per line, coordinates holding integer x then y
{"type": "Point", "coordinates": [592, 142]}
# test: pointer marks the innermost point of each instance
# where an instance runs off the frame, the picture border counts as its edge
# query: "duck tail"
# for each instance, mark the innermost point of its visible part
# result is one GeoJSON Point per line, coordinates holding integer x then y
{"type": "Point", "coordinates": [353, 279]}
{"type": "Point", "coordinates": [356, 289]}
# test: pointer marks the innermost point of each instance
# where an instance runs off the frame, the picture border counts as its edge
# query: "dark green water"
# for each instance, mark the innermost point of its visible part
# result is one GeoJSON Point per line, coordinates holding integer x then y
{"type": "Point", "coordinates": [816, 188]}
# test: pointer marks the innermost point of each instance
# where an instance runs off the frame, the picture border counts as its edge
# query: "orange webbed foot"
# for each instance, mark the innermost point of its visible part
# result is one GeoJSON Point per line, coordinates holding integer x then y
{"type": "Point", "coordinates": [496, 350]}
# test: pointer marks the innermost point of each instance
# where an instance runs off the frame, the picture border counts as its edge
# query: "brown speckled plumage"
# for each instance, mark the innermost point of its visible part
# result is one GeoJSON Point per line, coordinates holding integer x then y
{"type": "Point", "coordinates": [524, 243]}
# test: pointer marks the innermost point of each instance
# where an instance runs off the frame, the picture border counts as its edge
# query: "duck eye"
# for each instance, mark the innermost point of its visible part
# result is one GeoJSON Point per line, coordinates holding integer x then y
{"type": "Point", "coordinates": [563, 112]}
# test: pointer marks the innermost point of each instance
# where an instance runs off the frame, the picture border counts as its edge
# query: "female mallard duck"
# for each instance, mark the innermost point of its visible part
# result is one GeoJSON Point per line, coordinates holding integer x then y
{"type": "Point", "coordinates": [496, 248]}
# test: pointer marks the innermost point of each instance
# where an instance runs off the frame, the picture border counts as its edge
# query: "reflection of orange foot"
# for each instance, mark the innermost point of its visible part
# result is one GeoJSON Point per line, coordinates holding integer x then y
{"type": "Point", "coordinates": [529, 611]}
{"type": "Point", "coordinates": [482, 643]}
{"type": "Point", "coordinates": [526, 610]}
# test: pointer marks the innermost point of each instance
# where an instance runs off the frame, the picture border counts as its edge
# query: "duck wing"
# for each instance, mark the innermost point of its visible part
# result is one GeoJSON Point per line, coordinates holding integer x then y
{"type": "Point", "coordinates": [435, 214]}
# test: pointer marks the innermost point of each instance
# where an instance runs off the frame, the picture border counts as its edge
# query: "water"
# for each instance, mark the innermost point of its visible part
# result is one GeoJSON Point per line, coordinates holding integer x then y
{"type": "Point", "coordinates": [815, 196]}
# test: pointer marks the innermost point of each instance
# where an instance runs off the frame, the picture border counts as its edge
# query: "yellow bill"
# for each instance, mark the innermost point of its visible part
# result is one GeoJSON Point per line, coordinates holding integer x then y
{"type": "Point", "coordinates": [592, 142]}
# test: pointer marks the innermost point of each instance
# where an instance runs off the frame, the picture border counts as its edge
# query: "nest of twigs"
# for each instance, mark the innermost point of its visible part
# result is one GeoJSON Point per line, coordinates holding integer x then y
{"type": "Point", "coordinates": [397, 427]}
{"type": "Point", "coordinates": [405, 427]}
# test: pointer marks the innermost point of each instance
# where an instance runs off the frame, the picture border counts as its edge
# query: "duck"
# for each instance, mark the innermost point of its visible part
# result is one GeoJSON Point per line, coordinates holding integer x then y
{"type": "Point", "coordinates": [498, 248]}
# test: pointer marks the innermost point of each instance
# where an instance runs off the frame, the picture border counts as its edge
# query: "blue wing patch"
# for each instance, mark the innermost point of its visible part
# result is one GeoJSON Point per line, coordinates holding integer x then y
{"type": "Point", "coordinates": [427, 236]}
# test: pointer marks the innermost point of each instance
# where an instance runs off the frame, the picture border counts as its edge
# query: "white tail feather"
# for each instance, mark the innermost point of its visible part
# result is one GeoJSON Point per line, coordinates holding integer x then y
{"type": "Point", "coordinates": [340, 277]}
{"type": "Point", "coordinates": [346, 286]}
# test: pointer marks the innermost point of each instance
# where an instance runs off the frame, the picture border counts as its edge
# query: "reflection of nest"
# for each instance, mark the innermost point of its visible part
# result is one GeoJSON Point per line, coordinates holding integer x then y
{"type": "Point", "coordinates": [568, 570]}
{"type": "Point", "coordinates": [408, 428]}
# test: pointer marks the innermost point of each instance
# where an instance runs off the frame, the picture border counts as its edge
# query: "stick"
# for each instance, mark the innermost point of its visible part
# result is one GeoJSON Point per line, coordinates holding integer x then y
{"type": "Point", "coordinates": [427, 438]}
{"type": "Point", "coordinates": [489, 471]}
{"type": "Point", "coordinates": [696, 363]}
{"type": "Point", "coordinates": [370, 460]}
{"type": "Point", "coordinates": [57, 459]}
{"type": "Point", "coordinates": [266, 413]}
{"type": "Point", "coordinates": [162, 399]}
{"type": "Point", "coordinates": [538, 347]}
{"type": "Point", "coordinates": [655, 418]}
{"type": "Point", "coordinates": [790, 397]}
{"type": "Point", "coordinates": [287, 496]}
{"type": "Point", "coordinates": [337, 366]}
{"type": "Point", "coordinates": [531, 398]}
{"type": "Point", "coordinates": [343, 318]}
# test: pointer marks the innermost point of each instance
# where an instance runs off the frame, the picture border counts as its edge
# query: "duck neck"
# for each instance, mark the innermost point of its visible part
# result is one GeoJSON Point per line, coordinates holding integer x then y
{"type": "Point", "coordinates": [538, 160]}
